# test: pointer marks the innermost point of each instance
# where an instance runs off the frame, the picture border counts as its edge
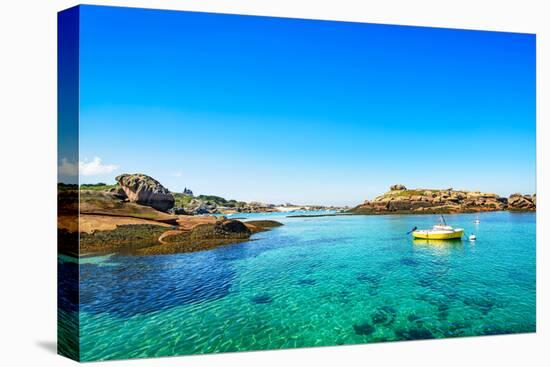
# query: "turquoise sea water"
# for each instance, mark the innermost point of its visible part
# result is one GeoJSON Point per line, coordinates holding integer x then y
{"type": "Point", "coordinates": [314, 282]}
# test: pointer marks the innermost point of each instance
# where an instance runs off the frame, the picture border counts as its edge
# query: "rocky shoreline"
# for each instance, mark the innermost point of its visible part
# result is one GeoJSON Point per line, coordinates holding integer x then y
{"type": "Point", "coordinates": [145, 190]}
{"type": "Point", "coordinates": [208, 204]}
{"type": "Point", "coordinates": [139, 216]}
{"type": "Point", "coordinates": [135, 218]}
{"type": "Point", "coordinates": [150, 239]}
{"type": "Point", "coordinates": [400, 200]}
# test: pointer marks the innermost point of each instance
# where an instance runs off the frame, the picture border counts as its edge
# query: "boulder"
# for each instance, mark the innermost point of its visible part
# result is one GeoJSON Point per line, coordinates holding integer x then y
{"type": "Point", "coordinates": [177, 211]}
{"type": "Point", "coordinates": [399, 205]}
{"type": "Point", "coordinates": [198, 207]}
{"type": "Point", "coordinates": [521, 202]}
{"type": "Point", "coordinates": [397, 187]}
{"type": "Point", "coordinates": [118, 192]}
{"type": "Point", "coordinates": [145, 190]}
{"type": "Point", "coordinates": [222, 229]}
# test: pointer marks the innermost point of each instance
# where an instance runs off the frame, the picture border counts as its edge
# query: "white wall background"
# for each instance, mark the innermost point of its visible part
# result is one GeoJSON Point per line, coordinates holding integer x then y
{"type": "Point", "coordinates": [28, 180]}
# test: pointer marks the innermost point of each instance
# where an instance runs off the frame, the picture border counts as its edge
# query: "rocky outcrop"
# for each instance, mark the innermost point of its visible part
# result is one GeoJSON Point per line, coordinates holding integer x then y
{"type": "Point", "coordinates": [118, 192]}
{"type": "Point", "coordinates": [203, 237]}
{"type": "Point", "coordinates": [256, 207]}
{"type": "Point", "coordinates": [519, 202]}
{"type": "Point", "coordinates": [198, 207]}
{"type": "Point", "coordinates": [107, 203]}
{"type": "Point", "coordinates": [222, 229]}
{"type": "Point", "coordinates": [261, 225]}
{"type": "Point", "coordinates": [400, 200]}
{"type": "Point", "coordinates": [397, 187]}
{"type": "Point", "coordinates": [145, 190]}
{"type": "Point", "coordinates": [106, 220]}
{"type": "Point", "coordinates": [123, 239]}
{"type": "Point", "coordinates": [155, 239]}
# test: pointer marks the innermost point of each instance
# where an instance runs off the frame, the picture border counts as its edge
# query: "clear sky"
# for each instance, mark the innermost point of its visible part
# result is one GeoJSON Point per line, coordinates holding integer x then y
{"type": "Point", "coordinates": [286, 110]}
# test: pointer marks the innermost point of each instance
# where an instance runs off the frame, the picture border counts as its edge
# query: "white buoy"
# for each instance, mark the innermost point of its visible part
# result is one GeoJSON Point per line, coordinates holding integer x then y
{"type": "Point", "coordinates": [472, 237]}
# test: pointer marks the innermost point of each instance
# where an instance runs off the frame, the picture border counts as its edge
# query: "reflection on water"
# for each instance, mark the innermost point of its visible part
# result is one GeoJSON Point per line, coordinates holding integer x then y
{"type": "Point", "coordinates": [439, 247]}
{"type": "Point", "coordinates": [312, 282]}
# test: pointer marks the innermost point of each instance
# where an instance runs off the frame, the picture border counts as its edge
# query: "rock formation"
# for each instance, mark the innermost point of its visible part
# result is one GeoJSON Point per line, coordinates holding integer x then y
{"type": "Point", "coordinates": [118, 192]}
{"type": "Point", "coordinates": [519, 202]}
{"type": "Point", "coordinates": [256, 207]}
{"type": "Point", "coordinates": [131, 217]}
{"type": "Point", "coordinates": [397, 187]}
{"type": "Point", "coordinates": [198, 207]}
{"type": "Point", "coordinates": [145, 190]}
{"type": "Point", "coordinates": [401, 200]}
{"type": "Point", "coordinates": [222, 229]}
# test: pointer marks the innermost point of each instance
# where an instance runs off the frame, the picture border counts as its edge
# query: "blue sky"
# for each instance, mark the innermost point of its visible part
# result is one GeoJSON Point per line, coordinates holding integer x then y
{"type": "Point", "coordinates": [287, 110]}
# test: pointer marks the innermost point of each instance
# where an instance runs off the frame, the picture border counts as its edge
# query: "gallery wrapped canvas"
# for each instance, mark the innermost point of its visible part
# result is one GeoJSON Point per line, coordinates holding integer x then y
{"type": "Point", "coordinates": [236, 183]}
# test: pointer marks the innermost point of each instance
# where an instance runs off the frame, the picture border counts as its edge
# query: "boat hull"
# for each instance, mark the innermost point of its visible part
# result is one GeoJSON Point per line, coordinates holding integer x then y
{"type": "Point", "coordinates": [438, 235]}
{"type": "Point", "coordinates": [432, 242]}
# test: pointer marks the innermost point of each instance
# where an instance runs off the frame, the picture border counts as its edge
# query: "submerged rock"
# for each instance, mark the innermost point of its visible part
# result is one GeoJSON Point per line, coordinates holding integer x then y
{"type": "Point", "coordinates": [145, 190]}
{"type": "Point", "coordinates": [307, 282]}
{"type": "Point", "coordinates": [371, 279]}
{"type": "Point", "coordinates": [483, 303]}
{"type": "Point", "coordinates": [363, 329]}
{"type": "Point", "coordinates": [262, 299]}
{"type": "Point", "coordinates": [384, 315]}
{"type": "Point", "coordinates": [407, 261]}
{"type": "Point", "coordinates": [414, 333]}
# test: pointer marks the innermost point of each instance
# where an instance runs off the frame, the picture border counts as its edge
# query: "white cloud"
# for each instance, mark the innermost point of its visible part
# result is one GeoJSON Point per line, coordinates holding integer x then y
{"type": "Point", "coordinates": [67, 168]}
{"type": "Point", "coordinates": [177, 174]}
{"type": "Point", "coordinates": [95, 167]}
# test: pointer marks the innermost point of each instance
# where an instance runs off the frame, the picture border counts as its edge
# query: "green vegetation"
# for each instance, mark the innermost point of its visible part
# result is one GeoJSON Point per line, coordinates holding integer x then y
{"type": "Point", "coordinates": [416, 192]}
{"type": "Point", "coordinates": [181, 200]}
{"type": "Point", "coordinates": [408, 193]}
{"type": "Point", "coordinates": [106, 203]}
{"type": "Point", "coordinates": [125, 239]}
{"type": "Point", "coordinates": [97, 187]}
{"type": "Point", "coordinates": [66, 187]}
{"type": "Point", "coordinates": [220, 201]}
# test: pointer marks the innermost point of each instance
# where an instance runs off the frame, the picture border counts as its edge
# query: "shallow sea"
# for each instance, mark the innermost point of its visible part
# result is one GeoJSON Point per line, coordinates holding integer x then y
{"type": "Point", "coordinates": [314, 282]}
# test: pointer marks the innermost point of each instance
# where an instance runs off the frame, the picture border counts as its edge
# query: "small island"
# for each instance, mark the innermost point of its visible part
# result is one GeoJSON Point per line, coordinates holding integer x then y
{"type": "Point", "coordinates": [400, 200]}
